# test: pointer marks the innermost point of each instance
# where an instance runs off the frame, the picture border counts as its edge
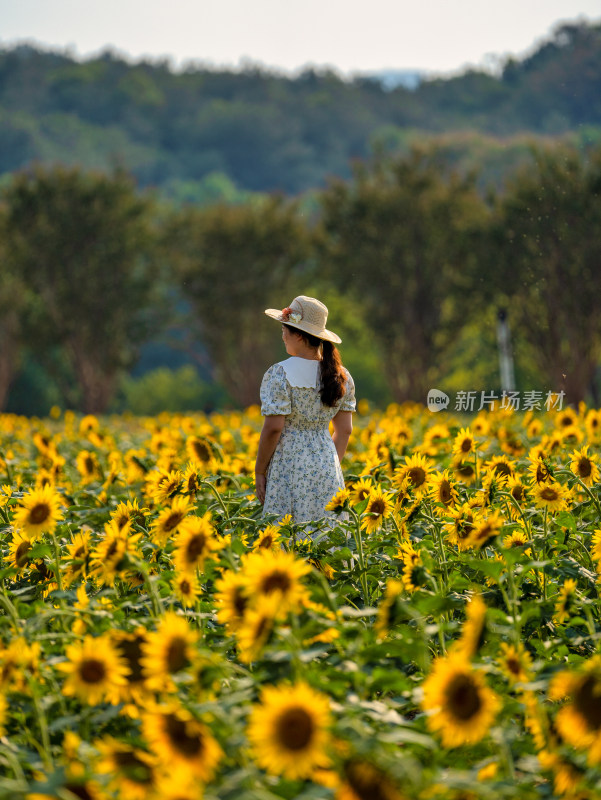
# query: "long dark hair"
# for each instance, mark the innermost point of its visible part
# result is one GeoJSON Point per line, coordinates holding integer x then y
{"type": "Point", "coordinates": [332, 373]}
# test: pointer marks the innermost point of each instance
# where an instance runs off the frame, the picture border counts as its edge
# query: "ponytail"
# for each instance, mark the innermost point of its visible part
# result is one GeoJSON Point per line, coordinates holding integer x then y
{"type": "Point", "coordinates": [333, 376]}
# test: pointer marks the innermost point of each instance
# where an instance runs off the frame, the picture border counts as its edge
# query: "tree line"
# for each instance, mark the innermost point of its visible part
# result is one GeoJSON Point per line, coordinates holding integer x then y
{"type": "Point", "coordinates": [200, 132]}
{"type": "Point", "coordinates": [411, 258]}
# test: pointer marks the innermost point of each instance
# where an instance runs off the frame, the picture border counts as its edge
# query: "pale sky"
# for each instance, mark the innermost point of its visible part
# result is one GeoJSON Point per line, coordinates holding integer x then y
{"type": "Point", "coordinates": [349, 35]}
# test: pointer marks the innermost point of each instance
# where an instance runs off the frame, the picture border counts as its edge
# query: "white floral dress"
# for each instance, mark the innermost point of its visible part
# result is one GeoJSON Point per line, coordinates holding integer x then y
{"type": "Point", "coordinates": [304, 472]}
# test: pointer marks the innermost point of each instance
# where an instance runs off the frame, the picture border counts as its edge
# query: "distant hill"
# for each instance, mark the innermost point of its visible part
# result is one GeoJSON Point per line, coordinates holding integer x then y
{"type": "Point", "coordinates": [202, 134]}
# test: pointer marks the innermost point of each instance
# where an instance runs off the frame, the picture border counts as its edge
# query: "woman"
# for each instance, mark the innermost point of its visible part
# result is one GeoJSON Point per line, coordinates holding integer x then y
{"type": "Point", "coordinates": [297, 471]}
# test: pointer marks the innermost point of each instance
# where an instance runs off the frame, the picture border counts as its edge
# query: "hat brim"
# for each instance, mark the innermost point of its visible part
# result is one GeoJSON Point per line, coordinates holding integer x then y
{"type": "Point", "coordinates": [329, 336]}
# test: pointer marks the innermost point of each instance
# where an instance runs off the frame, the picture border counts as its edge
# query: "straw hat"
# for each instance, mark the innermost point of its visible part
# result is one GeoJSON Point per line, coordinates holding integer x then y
{"type": "Point", "coordinates": [307, 314]}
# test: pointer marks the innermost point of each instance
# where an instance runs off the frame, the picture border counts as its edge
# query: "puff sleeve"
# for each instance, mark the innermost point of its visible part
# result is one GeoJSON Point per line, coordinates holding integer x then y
{"type": "Point", "coordinates": [348, 402]}
{"type": "Point", "coordinates": [275, 392]}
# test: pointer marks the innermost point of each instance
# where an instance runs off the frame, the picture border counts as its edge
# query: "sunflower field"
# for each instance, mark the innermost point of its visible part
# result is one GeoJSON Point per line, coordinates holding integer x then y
{"type": "Point", "coordinates": [161, 640]}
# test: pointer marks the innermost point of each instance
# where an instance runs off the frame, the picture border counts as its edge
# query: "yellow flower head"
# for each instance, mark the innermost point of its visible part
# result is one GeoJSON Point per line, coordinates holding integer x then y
{"type": "Point", "coordinates": [39, 512]}
{"type": "Point", "coordinates": [585, 466]}
{"type": "Point", "coordinates": [460, 706]}
{"type": "Point", "coordinates": [94, 669]}
{"type": "Point", "coordinates": [288, 731]}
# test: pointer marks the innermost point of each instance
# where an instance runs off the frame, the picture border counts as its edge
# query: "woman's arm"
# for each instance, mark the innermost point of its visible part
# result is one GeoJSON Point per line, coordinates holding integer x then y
{"type": "Point", "coordinates": [270, 436]}
{"type": "Point", "coordinates": [343, 427]}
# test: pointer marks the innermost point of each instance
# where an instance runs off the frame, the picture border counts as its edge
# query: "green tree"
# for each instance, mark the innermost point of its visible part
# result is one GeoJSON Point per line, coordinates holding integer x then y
{"type": "Point", "coordinates": [401, 239]}
{"type": "Point", "coordinates": [232, 262]}
{"type": "Point", "coordinates": [84, 245]}
{"type": "Point", "coordinates": [13, 302]}
{"type": "Point", "coordinates": [548, 225]}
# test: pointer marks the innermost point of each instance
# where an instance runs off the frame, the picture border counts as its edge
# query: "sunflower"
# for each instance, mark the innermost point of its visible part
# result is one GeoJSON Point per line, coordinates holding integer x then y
{"type": "Point", "coordinates": [500, 467]}
{"type": "Point", "coordinates": [442, 491]}
{"type": "Point", "coordinates": [485, 528]}
{"type": "Point", "coordinates": [256, 628]}
{"type": "Point", "coordinates": [417, 468]}
{"type": "Point", "coordinates": [517, 538]}
{"type": "Point", "coordinates": [168, 651]}
{"type": "Point", "coordinates": [459, 528]}
{"type": "Point", "coordinates": [364, 781]}
{"type": "Point", "coordinates": [191, 480]}
{"type": "Point", "coordinates": [516, 662]}
{"type": "Point", "coordinates": [95, 671]}
{"type": "Point", "coordinates": [379, 506]}
{"type": "Point", "coordinates": [269, 538]}
{"type": "Point", "coordinates": [579, 720]}
{"type": "Point", "coordinates": [78, 553]}
{"type": "Point", "coordinates": [195, 542]}
{"type": "Point", "coordinates": [585, 466]}
{"type": "Point", "coordinates": [434, 440]}
{"type": "Point", "coordinates": [519, 492]}
{"type": "Point", "coordinates": [339, 501]}
{"type": "Point", "coordinates": [164, 485]}
{"type": "Point", "coordinates": [231, 597]}
{"type": "Point", "coordinates": [130, 647]}
{"type": "Point", "coordinates": [181, 742]}
{"type": "Point", "coordinates": [199, 450]}
{"type": "Point", "coordinates": [566, 601]}
{"type": "Point", "coordinates": [110, 556]}
{"type": "Point", "coordinates": [132, 771]}
{"type": "Point", "coordinates": [472, 632]}
{"type": "Point", "coordinates": [169, 519]}
{"type": "Point", "coordinates": [592, 423]}
{"type": "Point", "coordinates": [288, 730]}
{"type": "Point", "coordinates": [39, 512]}
{"type": "Point", "coordinates": [88, 466]}
{"type": "Point", "coordinates": [19, 550]}
{"type": "Point", "coordinates": [360, 491]}
{"type": "Point", "coordinates": [129, 511]}
{"type": "Point", "coordinates": [551, 496]}
{"type": "Point", "coordinates": [539, 469]}
{"type": "Point", "coordinates": [412, 575]}
{"type": "Point", "coordinates": [278, 574]}
{"type": "Point", "coordinates": [596, 546]}
{"type": "Point", "coordinates": [463, 444]}
{"type": "Point", "coordinates": [464, 471]}
{"type": "Point", "coordinates": [187, 589]}
{"type": "Point", "coordinates": [461, 707]}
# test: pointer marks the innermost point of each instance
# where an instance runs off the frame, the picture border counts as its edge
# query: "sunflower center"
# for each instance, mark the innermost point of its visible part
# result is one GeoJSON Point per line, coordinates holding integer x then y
{"type": "Point", "coordinates": [466, 445]}
{"type": "Point", "coordinates": [378, 507]}
{"type": "Point", "coordinates": [39, 513]}
{"type": "Point", "coordinates": [21, 553]}
{"type": "Point", "coordinates": [266, 542]}
{"type": "Point", "coordinates": [584, 468]}
{"type": "Point", "coordinates": [463, 698]}
{"type": "Point", "coordinates": [276, 581]}
{"type": "Point", "coordinates": [132, 766]}
{"type": "Point", "coordinates": [173, 520]}
{"type": "Point", "coordinates": [549, 494]}
{"type": "Point", "coordinates": [501, 468]}
{"type": "Point", "coordinates": [514, 666]}
{"type": "Point", "coordinates": [587, 701]}
{"type": "Point", "coordinates": [239, 602]}
{"type": "Point", "coordinates": [92, 671]}
{"type": "Point", "coordinates": [295, 729]}
{"type": "Point", "coordinates": [177, 731]}
{"type": "Point", "coordinates": [202, 451]}
{"type": "Point", "coordinates": [78, 790]}
{"type": "Point", "coordinates": [176, 654]}
{"type": "Point", "coordinates": [131, 650]}
{"type": "Point", "coordinates": [517, 493]}
{"type": "Point", "coordinates": [185, 586]}
{"type": "Point", "coordinates": [444, 492]}
{"type": "Point", "coordinates": [417, 476]}
{"type": "Point", "coordinates": [196, 546]}
{"type": "Point", "coordinates": [89, 465]}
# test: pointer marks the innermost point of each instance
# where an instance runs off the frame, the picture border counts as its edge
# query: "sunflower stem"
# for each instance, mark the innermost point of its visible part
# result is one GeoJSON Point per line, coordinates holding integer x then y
{"type": "Point", "coordinates": [42, 724]}
{"type": "Point", "coordinates": [218, 496]}
{"type": "Point", "coordinates": [545, 533]}
{"type": "Point", "coordinates": [59, 581]}
{"type": "Point", "coordinates": [359, 543]}
{"type": "Point", "coordinates": [12, 611]}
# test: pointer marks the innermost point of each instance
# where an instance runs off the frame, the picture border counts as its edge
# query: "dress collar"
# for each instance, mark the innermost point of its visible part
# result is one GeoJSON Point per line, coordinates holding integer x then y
{"type": "Point", "coordinates": [301, 372]}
